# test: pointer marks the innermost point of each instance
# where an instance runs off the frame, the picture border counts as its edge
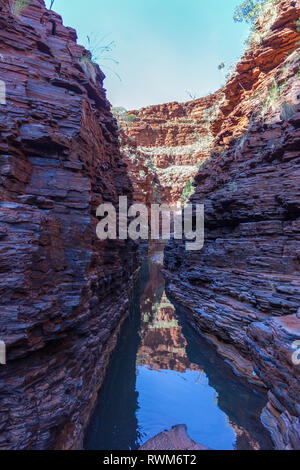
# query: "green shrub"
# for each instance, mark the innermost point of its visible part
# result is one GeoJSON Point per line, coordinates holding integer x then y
{"type": "Point", "coordinates": [298, 25]}
{"type": "Point", "coordinates": [252, 12]}
{"type": "Point", "coordinates": [248, 11]}
{"type": "Point", "coordinates": [129, 118]}
{"type": "Point", "coordinates": [188, 191]}
{"type": "Point", "coordinates": [211, 114]}
{"type": "Point", "coordinates": [273, 98]}
{"type": "Point", "coordinates": [99, 53]}
{"type": "Point", "coordinates": [17, 6]}
{"type": "Point", "coordinates": [149, 162]}
{"type": "Point", "coordinates": [118, 112]}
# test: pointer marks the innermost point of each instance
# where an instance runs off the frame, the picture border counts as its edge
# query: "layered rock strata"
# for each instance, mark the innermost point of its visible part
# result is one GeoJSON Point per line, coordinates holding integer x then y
{"type": "Point", "coordinates": [243, 288]}
{"type": "Point", "coordinates": [63, 291]}
{"type": "Point", "coordinates": [165, 145]}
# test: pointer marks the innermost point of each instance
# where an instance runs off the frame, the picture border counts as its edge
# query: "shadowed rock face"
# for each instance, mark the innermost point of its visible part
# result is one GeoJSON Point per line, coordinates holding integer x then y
{"type": "Point", "coordinates": [63, 292]}
{"type": "Point", "coordinates": [243, 288]}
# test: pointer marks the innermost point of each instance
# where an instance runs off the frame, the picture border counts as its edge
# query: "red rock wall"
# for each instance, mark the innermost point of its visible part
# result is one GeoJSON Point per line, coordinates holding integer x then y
{"type": "Point", "coordinates": [63, 292]}
{"type": "Point", "coordinates": [243, 288]}
{"type": "Point", "coordinates": [179, 137]}
{"type": "Point", "coordinates": [176, 138]}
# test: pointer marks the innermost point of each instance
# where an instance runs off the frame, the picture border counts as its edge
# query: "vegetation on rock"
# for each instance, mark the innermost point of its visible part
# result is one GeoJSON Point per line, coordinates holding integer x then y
{"type": "Point", "coordinates": [129, 118]}
{"type": "Point", "coordinates": [88, 66]}
{"type": "Point", "coordinates": [260, 14]}
{"type": "Point", "coordinates": [17, 6]}
{"type": "Point", "coordinates": [188, 191]}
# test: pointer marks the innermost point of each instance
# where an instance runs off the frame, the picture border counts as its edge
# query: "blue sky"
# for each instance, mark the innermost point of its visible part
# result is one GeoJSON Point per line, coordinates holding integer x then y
{"type": "Point", "coordinates": [164, 47]}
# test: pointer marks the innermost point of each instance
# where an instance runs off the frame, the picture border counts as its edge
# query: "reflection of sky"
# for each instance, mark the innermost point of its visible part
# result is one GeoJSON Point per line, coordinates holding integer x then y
{"type": "Point", "coordinates": [169, 398]}
{"type": "Point", "coordinates": [157, 399]}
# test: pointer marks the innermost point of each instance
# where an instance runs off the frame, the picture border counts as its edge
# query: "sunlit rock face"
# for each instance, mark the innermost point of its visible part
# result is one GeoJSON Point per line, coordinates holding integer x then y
{"type": "Point", "coordinates": [63, 292]}
{"type": "Point", "coordinates": [165, 145]}
{"type": "Point", "coordinates": [243, 288]}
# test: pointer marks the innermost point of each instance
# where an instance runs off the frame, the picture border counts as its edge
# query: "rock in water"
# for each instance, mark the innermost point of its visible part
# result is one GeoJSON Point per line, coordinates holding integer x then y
{"type": "Point", "coordinates": [175, 439]}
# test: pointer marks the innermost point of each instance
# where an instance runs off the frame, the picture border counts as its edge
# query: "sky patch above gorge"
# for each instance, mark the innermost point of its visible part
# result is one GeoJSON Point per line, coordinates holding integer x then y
{"type": "Point", "coordinates": [164, 49]}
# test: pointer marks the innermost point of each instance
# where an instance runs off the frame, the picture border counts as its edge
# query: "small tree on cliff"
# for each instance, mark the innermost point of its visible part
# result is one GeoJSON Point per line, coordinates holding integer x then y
{"type": "Point", "coordinates": [118, 111]}
{"type": "Point", "coordinates": [260, 14]}
{"type": "Point", "coordinates": [248, 11]}
{"type": "Point", "coordinates": [129, 118]}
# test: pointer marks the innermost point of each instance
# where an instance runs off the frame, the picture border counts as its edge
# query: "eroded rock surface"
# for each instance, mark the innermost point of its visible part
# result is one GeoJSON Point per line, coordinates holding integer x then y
{"type": "Point", "coordinates": [165, 145]}
{"type": "Point", "coordinates": [243, 288]}
{"type": "Point", "coordinates": [175, 439]}
{"type": "Point", "coordinates": [63, 291]}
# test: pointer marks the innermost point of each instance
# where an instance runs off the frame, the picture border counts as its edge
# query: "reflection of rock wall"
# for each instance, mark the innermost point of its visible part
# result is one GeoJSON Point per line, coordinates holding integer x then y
{"type": "Point", "coordinates": [244, 286]}
{"type": "Point", "coordinates": [63, 293]}
{"type": "Point", "coordinates": [162, 342]}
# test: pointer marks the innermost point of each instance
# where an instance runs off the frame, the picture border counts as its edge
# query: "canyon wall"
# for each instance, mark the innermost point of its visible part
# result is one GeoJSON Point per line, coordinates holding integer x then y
{"type": "Point", "coordinates": [243, 288]}
{"type": "Point", "coordinates": [63, 291]}
{"type": "Point", "coordinates": [165, 145]}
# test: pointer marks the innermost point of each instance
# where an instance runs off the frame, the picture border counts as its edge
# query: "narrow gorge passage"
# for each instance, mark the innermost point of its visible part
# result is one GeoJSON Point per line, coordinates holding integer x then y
{"type": "Point", "coordinates": [103, 346]}
{"type": "Point", "coordinates": [163, 375]}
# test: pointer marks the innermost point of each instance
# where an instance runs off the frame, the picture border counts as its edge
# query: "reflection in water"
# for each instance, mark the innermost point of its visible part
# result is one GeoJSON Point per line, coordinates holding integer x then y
{"type": "Point", "coordinates": [163, 374]}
